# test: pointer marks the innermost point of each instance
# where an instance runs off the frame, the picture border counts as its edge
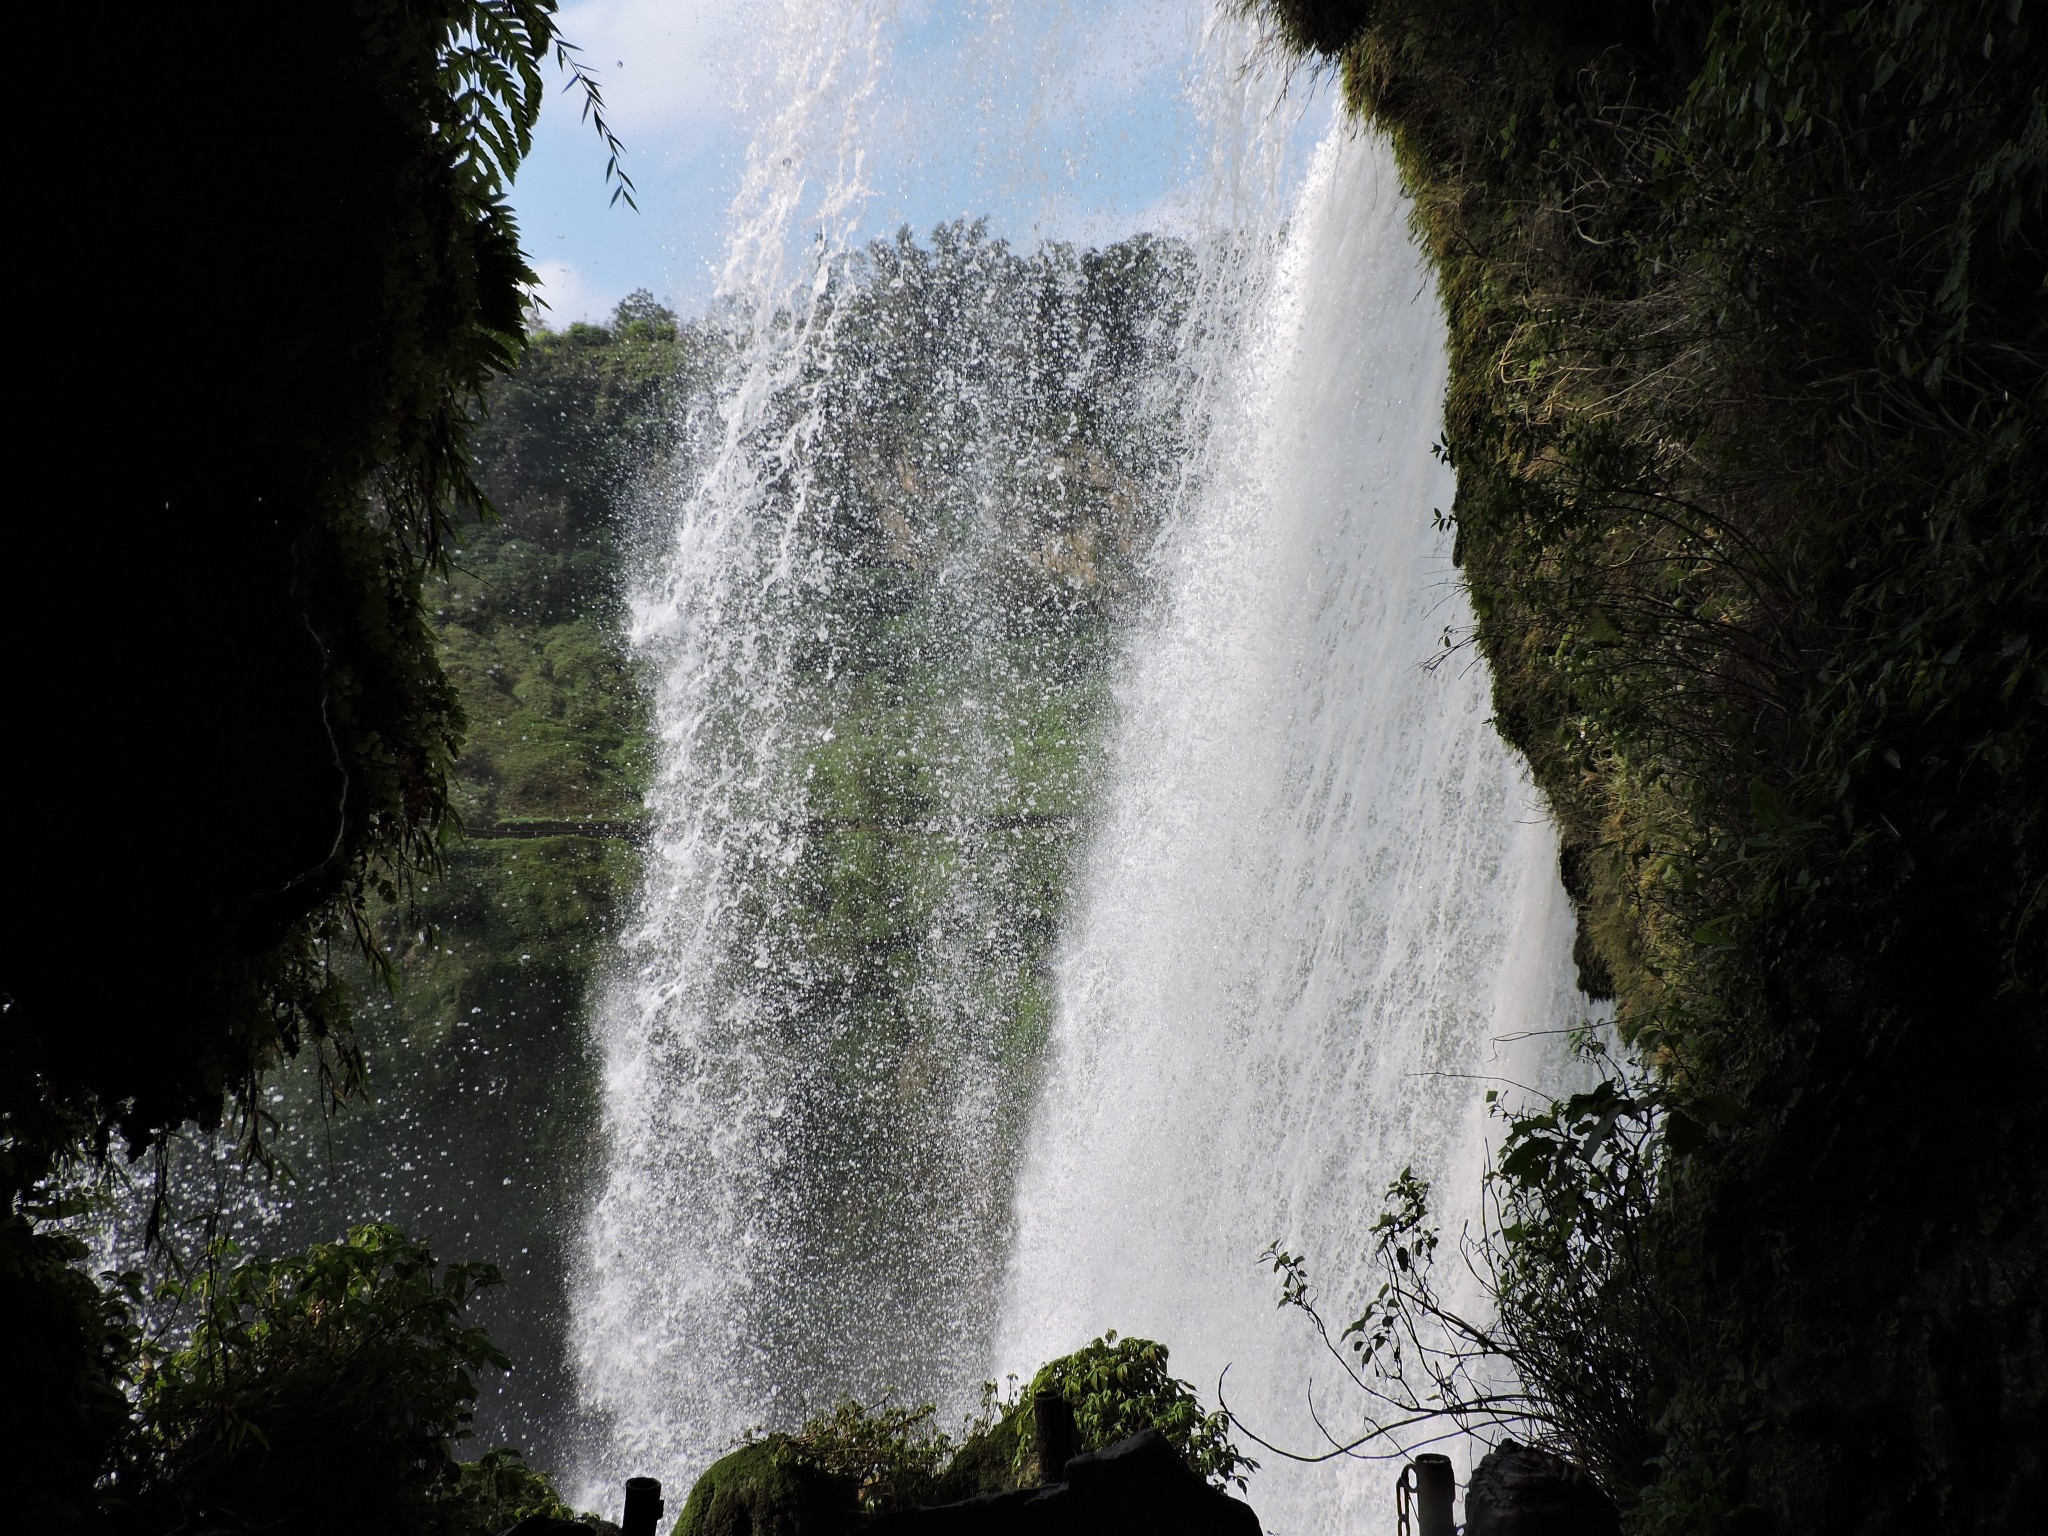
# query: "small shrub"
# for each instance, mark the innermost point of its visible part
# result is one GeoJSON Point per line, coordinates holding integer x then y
{"type": "Point", "coordinates": [1118, 1387]}
{"type": "Point", "coordinates": [1572, 1230]}
{"type": "Point", "coordinates": [892, 1455]}
{"type": "Point", "coordinates": [323, 1392]}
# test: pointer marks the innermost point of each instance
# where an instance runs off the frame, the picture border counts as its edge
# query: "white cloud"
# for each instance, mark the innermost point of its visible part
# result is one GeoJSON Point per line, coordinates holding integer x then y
{"type": "Point", "coordinates": [663, 64]}
{"type": "Point", "coordinates": [570, 296]}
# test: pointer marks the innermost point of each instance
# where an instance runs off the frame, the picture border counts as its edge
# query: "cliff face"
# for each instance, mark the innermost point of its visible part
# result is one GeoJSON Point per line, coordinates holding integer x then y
{"type": "Point", "coordinates": [1747, 348]}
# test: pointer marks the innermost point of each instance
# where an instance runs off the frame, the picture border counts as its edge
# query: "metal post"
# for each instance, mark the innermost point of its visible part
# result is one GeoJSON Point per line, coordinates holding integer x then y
{"type": "Point", "coordinates": [643, 1507]}
{"type": "Point", "coordinates": [1436, 1485]}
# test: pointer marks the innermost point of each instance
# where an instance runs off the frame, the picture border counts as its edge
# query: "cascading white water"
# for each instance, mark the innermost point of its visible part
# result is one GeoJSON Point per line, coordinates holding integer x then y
{"type": "Point", "coordinates": [1316, 893]}
{"type": "Point", "coordinates": [871, 613]}
{"type": "Point", "coordinates": [692, 1103]}
{"type": "Point", "coordinates": [1323, 893]}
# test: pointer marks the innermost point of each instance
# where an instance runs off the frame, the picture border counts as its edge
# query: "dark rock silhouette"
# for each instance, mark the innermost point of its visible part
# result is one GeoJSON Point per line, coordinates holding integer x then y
{"type": "Point", "coordinates": [1055, 1437]}
{"type": "Point", "coordinates": [1518, 1490]}
{"type": "Point", "coordinates": [1137, 1486]}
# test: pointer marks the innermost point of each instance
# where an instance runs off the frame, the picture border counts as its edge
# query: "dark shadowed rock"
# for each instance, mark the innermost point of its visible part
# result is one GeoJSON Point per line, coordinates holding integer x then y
{"type": "Point", "coordinates": [1518, 1490]}
{"type": "Point", "coordinates": [1137, 1487]}
{"type": "Point", "coordinates": [1055, 1437]}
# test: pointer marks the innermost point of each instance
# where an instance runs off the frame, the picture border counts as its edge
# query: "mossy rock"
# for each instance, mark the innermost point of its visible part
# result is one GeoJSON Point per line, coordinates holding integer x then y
{"type": "Point", "coordinates": [985, 1463]}
{"type": "Point", "coordinates": [766, 1489]}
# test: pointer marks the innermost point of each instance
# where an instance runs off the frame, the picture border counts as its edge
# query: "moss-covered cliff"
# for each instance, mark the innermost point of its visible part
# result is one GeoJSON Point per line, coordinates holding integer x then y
{"type": "Point", "coordinates": [1748, 338]}
{"type": "Point", "coordinates": [253, 508]}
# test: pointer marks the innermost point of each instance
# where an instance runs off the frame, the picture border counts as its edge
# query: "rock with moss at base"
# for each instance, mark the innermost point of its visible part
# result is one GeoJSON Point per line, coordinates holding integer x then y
{"type": "Point", "coordinates": [766, 1489]}
{"type": "Point", "coordinates": [987, 1462]}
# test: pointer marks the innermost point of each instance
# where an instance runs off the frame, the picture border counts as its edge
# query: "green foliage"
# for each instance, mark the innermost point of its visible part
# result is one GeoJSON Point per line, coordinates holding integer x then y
{"type": "Point", "coordinates": [1747, 360]}
{"type": "Point", "coordinates": [498, 1490]}
{"type": "Point", "coordinates": [1419, 1365]}
{"type": "Point", "coordinates": [891, 1456]}
{"type": "Point", "coordinates": [1574, 1270]}
{"type": "Point", "coordinates": [70, 1345]}
{"type": "Point", "coordinates": [1118, 1387]}
{"type": "Point", "coordinates": [529, 626]}
{"type": "Point", "coordinates": [1567, 1258]}
{"type": "Point", "coordinates": [321, 1392]}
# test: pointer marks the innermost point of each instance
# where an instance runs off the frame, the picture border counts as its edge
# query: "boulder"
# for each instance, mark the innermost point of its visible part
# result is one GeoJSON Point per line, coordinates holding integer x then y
{"type": "Point", "coordinates": [988, 1462]}
{"type": "Point", "coordinates": [764, 1489]}
{"type": "Point", "coordinates": [1517, 1490]}
{"type": "Point", "coordinates": [1139, 1486]}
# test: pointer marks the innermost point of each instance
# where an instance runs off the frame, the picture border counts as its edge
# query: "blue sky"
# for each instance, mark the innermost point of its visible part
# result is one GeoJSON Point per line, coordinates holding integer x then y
{"type": "Point", "coordinates": [1055, 119]}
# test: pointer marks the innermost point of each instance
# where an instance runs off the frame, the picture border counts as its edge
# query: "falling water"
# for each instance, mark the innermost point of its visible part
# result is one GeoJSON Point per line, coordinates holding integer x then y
{"type": "Point", "coordinates": [878, 613]}
{"type": "Point", "coordinates": [1307, 899]}
{"type": "Point", "coordinates": [1322, 895]}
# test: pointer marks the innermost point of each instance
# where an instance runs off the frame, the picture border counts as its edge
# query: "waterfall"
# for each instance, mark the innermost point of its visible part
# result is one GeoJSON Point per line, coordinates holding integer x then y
{"type": "Point", "coordinates": [876, 609]}
{"type": "Point", "coordinates": [1322, 903]}
{"type": "Point", "coordinates": [1203, 900]}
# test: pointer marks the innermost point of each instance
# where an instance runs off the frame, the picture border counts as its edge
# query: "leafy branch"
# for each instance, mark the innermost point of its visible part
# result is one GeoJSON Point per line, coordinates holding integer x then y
{"type": "Point", "coordinates": [490, 74]}
{"type": "Point", "coordinates": [593, 113]}
{"type": "Point", "coordinates": [1418, 1362]}
{"type": "Point", "coordinates": [1567, 1238]}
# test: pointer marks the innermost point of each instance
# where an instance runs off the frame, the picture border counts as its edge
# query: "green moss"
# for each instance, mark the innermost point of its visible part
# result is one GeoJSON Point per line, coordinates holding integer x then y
{"type": "Point", "coordinates": [767, 1489]}
{"type": "Point", "coordinates": [988, 1461]}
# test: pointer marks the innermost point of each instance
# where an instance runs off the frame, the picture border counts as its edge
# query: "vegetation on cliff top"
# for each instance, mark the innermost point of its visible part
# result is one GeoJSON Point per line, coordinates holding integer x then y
{"type": "Point", "coordinates": [1748, 346]}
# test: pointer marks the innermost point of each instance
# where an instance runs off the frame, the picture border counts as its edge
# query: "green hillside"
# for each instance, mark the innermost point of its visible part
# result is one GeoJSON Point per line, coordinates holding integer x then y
{"type": "Point", "coordinates": [477, 1129]}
